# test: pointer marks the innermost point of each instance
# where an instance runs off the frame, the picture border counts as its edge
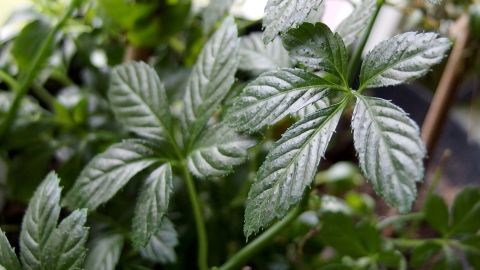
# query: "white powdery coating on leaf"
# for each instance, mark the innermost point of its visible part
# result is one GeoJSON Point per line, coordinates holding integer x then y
{"type": "Point", "coordinates": [256, 57]}
{"type": "Point", "coordinates": [139, 100]}
{"type": "Point", "coordinates": [105, 253]}
{"type": "Point", "coordinates": [353, 25]}
{"type": "Point", "coordinates": [281, 15]}
{"type": "Point", "coordinates": [217, 151]}
{"type": "Point", "coordinates": [161, 248]}
{"type": "Point", "coordinates": [273, 96]}
{"type": "Point", "coordinates": [289, 168]}
{"type": "Point", "coordinates": [389, 149]}
{"type": "Point", "coordinates": [403, 58]}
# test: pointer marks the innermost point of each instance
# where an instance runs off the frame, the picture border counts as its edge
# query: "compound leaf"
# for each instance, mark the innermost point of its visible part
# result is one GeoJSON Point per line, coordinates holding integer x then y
{"type": "Point", "coordinates": [353, 25]}
{"type": "Point", "coordinates": [316, 47]}
{"type": "Point", "coordinates": [403, 58]}
{"type": "Point", "coordinates": [8, 258]}
{"type": "Point", "coordinates": [152, 204]}
{"type": "Point", "coordinates": [105, 253]}
{"type": "Point", "coordinates": [281, 15]}
{"type": "Point", "coordinates": [274, 95]}
{"type": "Point", "coordinates": [256, 57]}
{"type": "Point", "coordinates": [65, 249]}
{"type": "Point", "coordinates": [389, 149]}
{"type": "Point", "coordinates": [139, 100]}
{"type": "Point", "coordinates": [217, 151]}
{"type": "Point", "coordinates": [211, 78]}
{"type": "Point", "coordinates": [161, 248]}
{"type": "Point", "coordinates": [108, 172]}
{"type": "Point", "coordinates": [289, 168]}
{"type": "Point", "coordinates": [39, 221]}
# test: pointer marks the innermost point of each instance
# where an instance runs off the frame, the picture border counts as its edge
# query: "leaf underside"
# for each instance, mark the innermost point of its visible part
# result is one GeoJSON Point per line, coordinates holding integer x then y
{"type": "Point", "coordinates": [389, 150]}
{"type": "Point", "coordinates": [274, 95]}
{"type": "Point", "coordinates": [217, 151]}
{"type": "Point", "coordinates": [289, 168]}
{"type": "Point", "coordinates": [403, 58]}
{"type": "Point", "coordinates": [281, 15]}
{"type": "Point", "coordinates": [108, 172]}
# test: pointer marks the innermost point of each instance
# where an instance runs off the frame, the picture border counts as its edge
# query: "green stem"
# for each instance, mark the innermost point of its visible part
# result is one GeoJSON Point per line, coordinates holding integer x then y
{"type": "Point", "coordinates": [199, 223]}
{"type": "Point", "coordinates": [260, 242]}
{"type": "Point", "coordinates": [43, 94]}
{"type": "Point", "coordinates": [357, 53]}
{"type": "Point", "coordinates": [9, 80]}
{"type": "Point", "coordinates": [27, 80]}
{"type": "Point", "coordinates": [401, 218]}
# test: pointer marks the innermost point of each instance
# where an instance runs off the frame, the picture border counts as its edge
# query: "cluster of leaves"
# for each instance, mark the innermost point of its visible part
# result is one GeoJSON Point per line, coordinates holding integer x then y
{"type": "Point", "coordinates": [170, 130]}
{"type": "Point", "coordinates": [44, 244]}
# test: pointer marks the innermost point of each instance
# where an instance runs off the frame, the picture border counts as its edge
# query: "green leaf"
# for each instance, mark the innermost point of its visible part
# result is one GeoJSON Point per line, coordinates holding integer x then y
{"type": "Point", "coordinates": [215, 11]}
{"type": "Point", "coordinates": [211, 78]}
{"type": "Point", "coordinates": [347, 238]}
{"type": "Point", "coordinates": [105, 253]}
{"type": "Point", "coordinates": [256, 57]}
{"type": "Point", "coordinates": [281, 15]}
{"type": "Point", "coordinates": [161, 248]}
{"type": "Point", "coordinates": [7, 254]}
{"type": "Point", "coordinates": [316, 47]}
{"type": "Point", "coordinates": [289, 168]}
{"type": "Point", "coordinates": [217, 151]}
{"type": "Point", "coordinates": [436, 213]}
{"type": "Point", "coordinates": [274, 95]}
{"type": "Point", "coordinates": [139, 100]}
{"type": "Point", "coordinates": [26, 44]}
{"type": "Point", "coordinates": [403, 58]}
{"type": "Point", "coordinates": [39, 221]}
{"type": "Point", "coordinates": [424, 253]}
{"type": "Point", "coordinates": [389, 149]}
{"type": "Point", "coordinates": [353, 25]}
{"type": "Point", "coordinates": [65, 249]}
{"type": "Point", "coordinates": [152, 204]}
{"type": "Point", "coordinates": [466, 211]}
{"type": "Point", "coordinates": [108, 172]}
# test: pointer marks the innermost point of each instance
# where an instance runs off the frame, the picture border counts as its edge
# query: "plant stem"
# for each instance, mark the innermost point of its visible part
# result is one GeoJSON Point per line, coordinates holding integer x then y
{"type": "Point", "coordinates": [261, 241]}
{"type": "Point", "coordinates": [199, 223]}
{"type": "Point", "coordinates": [357, 53]}
{"type": "Point", "coordinates": [43, 94]}
{"type": "Point", "coordinates": [401, 218]}
{"type": "Point", "coordinates": [9, 80]}
{"type": "Point", "coordinates": [27, 80]}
